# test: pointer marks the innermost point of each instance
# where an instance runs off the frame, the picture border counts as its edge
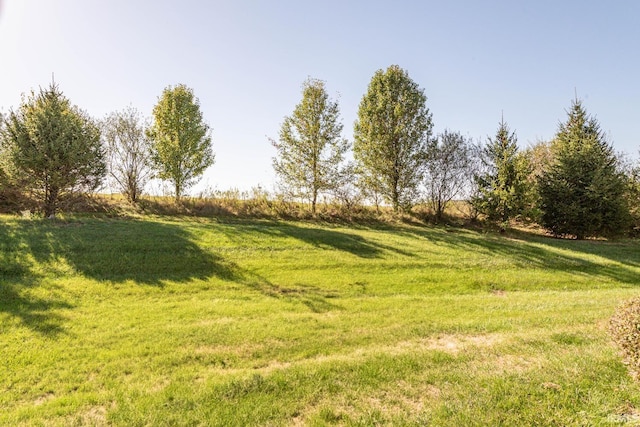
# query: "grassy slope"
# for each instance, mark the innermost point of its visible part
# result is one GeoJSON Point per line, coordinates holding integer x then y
{"type": "Point", "coordinates": [168, 321]}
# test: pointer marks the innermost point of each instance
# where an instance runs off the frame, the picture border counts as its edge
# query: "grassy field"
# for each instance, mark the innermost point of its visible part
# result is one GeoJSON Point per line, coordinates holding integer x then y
{"type": "Point", "coordinates": [195, 321]}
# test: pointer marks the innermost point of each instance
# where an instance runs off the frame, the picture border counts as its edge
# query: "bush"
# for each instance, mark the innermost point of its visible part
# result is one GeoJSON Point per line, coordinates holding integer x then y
{"type": "Point", "coordinates": [625, 331]}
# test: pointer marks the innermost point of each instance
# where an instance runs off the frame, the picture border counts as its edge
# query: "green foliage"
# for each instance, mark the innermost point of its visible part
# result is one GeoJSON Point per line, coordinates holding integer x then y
{"type": "Point", "coordinates": [624, 328]}
{"type": "Point", "coordinates": [55, 147]}
{"type": "Point", "coordinates": [582, 192]}
{"type": "Point", "coordinates": [128, 151]}
{"type": "Point", "coordinates": [447, 170]}
{"type": "Point", "coordinates": [310, 146]}
{"type": "Point", "coordinates": [538, 158]}
{"type": "Point", "coordinates": [181, 141]}
{"type": "Point", "coordinates": [502, 189]}
{"type": "Point", "coordinates": [4, 158]}
{"type": "Point", "coordinates": [391, 137]}
{"type": "Point", "coordinates": [633, 197]}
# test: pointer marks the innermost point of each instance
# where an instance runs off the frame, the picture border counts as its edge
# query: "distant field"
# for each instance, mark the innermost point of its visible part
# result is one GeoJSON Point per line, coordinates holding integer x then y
{"type": "Point", "coordinates": [183, 321]}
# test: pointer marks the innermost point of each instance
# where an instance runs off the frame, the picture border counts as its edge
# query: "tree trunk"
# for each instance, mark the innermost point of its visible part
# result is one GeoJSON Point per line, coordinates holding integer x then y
{"type": "Point", "coordinates": [313, 202]}
{"type": "Point", "coordinates": [439, 212]}
{"type": "Point", "coordinates": [178, 190]}
{"type": "Point", "coordinates": [395, 199]}
{"type": "Point", "coordinates": [50, 202]}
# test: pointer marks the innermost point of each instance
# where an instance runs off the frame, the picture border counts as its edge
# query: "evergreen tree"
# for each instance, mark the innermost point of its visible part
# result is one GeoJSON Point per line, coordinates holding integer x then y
{"type": "Point", "coordinates": [582, 193]}
{"type": "Point", "coordinates": [310, 147]}
{"type": "Point", "coordinates": [391, 137]}
{"type": "Point", "coordinates": [502, 188]}
{"type": "Point", "coordinates": [55, 147]}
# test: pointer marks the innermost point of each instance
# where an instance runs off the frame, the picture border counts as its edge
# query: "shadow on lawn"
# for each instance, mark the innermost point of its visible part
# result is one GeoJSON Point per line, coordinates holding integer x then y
{"type": "Point", "coordinates": [535, 251]}
{"type": "Point", "coordinates": [35, 313]}
{"type": "Point", "coordinates": [145, 252]}
{"type": "Point", "coordinates": [322, 238]}
{"type": "Point", "coordinates": [16, 280]}
{"type": "Point", "coordinates": [148, 253]}
{"type": "Point", "coordinates": [316, 299]}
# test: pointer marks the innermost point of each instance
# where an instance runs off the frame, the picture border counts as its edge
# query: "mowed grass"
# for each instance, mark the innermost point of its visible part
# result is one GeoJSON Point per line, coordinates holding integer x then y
{"type": "Point", "coordinates": [185, 321]}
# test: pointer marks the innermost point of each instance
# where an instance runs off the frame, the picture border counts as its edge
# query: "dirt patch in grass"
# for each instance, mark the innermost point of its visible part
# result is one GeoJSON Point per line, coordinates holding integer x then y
{"type": "Point", "coordinates": [452, 344]}
{"type": "Point", "coordinates": [456, 343]}
{"type": "Point", "coordinates": [94, 416]}
{"type": "Point", "coordinates": [159, 385]}
{"type": "Point", "coordinates": [393, 402]}
{"type": "Point", "coordinates": [42, 399]}
{"type": "Point", "coordinates": [512, 364]}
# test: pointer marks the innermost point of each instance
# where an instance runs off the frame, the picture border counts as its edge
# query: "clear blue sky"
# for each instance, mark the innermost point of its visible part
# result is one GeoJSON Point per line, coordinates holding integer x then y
{"type": "Point", "coordinates": [246, 61]}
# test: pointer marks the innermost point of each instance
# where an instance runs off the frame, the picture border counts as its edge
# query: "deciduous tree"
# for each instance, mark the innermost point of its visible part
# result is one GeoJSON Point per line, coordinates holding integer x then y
{"type": "Point", "coordinates": [55, 147]}
{"type": "Point", "coordinates": [4, 156]}
{"type": "Point", "coordinates": [634, 196]}
{"type": "Point", "coordinates": [631, 170]}
{"type": "Point", "coordinates": [391, 135]}
{"type": "Point", "coordinates": [446, 170]}
{"type": "Point", "coordinates": [128, 151]}
{"type": "Point", "coordinates": [180, 139]}
{"type": "Point", "coordinates": [310, 146]}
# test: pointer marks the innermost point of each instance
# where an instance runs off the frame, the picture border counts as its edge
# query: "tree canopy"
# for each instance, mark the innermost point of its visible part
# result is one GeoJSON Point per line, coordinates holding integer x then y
{"type": "Point", "coordinates": [180, 139]}
{"type": "Point", "coordinates": [310, 145]}
{"type": "Point", "coordinates": [502, 188]}
{"type": "Point", "coordinates": [4, 156]}
{"type": "Point", "coordinates": [391, 136]}
{"type": "Point", "coordinates": [127, 148]}
{"type": "Point", "coordinates": [582, 192]}
{"type": "Point", "coordinates": [54, 146]}
{"type": "Point", "coordinates": [446, 170]}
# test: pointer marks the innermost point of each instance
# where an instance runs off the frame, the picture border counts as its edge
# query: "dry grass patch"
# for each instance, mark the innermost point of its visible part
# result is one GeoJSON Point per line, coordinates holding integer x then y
{"type": "Point", "coordinates": [95, 416]}
{"type": "Point", "coordinates": [42, 399]}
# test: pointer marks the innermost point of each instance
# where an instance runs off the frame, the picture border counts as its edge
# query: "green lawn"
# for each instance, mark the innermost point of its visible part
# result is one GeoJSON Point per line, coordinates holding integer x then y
{"type": "Point", "coordinates": [187, 321]}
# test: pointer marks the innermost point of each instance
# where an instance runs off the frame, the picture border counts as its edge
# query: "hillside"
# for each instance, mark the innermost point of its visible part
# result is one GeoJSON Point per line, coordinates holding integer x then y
{"type": "Point", "coordinates": [187, 321]}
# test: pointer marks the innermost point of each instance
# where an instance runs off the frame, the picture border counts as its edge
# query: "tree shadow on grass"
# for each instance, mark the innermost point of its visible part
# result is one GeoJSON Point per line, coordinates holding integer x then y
{"type": "Point", "coordinates": [16, 280]}
{"type": "Point", "coordinates": [314, 298]}
{"type": "Point", "coordinates": [36, 313]}
{"type": "Point", "coordinates": [340, 240]}
{"type": "Point", "coordinates": [145, 252]}
{"type": "Point", "coordinates": [626, 252]}
{"type": "Point", "coordinates": [528, 251]}
{"type": "Point", "coordinates": [322, 238]}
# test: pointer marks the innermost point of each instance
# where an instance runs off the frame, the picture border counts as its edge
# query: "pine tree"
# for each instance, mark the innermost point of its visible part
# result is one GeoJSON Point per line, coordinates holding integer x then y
{"type": "Point", "coordinates": [582, 192]}
{"type": "Point", "coordinates": [502, 189]}
{"type": "Point", "coordinates": [55, 147]}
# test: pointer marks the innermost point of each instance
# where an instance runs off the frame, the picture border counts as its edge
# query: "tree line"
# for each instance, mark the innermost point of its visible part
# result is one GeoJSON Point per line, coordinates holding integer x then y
{"type": "Point", "coordinates": [50, 147]}
{"type": "Point", "coordinates": [574, 185]}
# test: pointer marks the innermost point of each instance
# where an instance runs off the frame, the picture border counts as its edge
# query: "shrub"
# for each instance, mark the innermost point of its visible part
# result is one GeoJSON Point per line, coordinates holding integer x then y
{"type": "Point", "coordinates": [625, 331]}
